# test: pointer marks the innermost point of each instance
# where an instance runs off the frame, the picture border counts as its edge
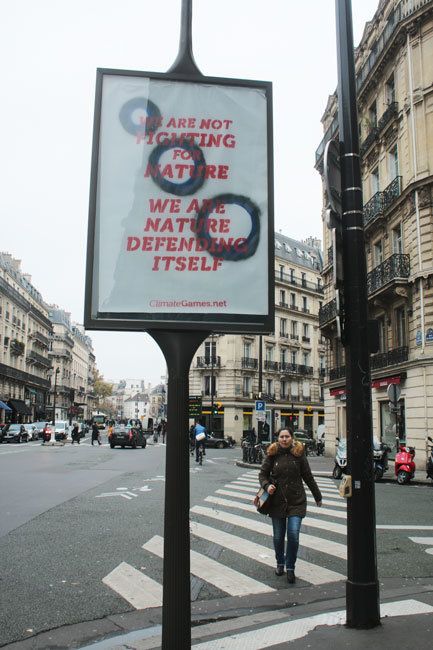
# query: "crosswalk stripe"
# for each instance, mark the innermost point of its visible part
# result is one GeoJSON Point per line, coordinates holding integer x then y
{"type": "Point", "coordinates": [230, 581]}
{"type": "Point", "coordinates": [242, 488]}
{"type": "Point", "coordinates": [135, 587]}
{"type": "Point", "coordinates": [307, 571]}
{"type": "Point", "coordinates": [330, 501]}
{"type": "Point", "coordinates": [327, 512]}
{"type": "Point", "coordinates": [307, 521]}
{"type": "Point", "coordinates": [317, 543]}
{"type": "Point", "coordinates": [283, 633]}
{"type": "Point", "coordinates": [422, 540]}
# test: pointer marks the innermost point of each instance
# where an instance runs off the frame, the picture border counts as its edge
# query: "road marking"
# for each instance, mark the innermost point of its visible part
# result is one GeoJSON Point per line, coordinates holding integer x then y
{"type": "Point", "coordinates": [116, 494]}
{"type": "Point", "coordinates": [422, 540]}
{"type": "Point", "coordinates": [226, 579]}
{"type": "Point", "coordinates": [317, 543]}
{"type": "Point", "coordinates": [307, 571]}
{"type": "Point", "coordinates": [242, 488]}
{"type": "Point", "coordinates": [389, 527]}
{"type": "Point", "coordinates": [283, 633]}
{"type": "Point", "coordinates": [307, 521]}
{"type": "Point", "coordinates": [135, 587]}
{"type": "Point", "coordinates": [327, 512]}
{"type": "Point", "coordinates": [329, 501]}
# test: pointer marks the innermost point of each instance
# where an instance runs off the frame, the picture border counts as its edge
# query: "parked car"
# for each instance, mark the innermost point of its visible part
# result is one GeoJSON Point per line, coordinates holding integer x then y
{"type": "Point", "coordinates": [306, 437]}
{"type": "Point", "coordinates": [61, 430]}
{"type": "Point", "coordinates": [217, 443]}
{"type": "Point", "coordinates": [14, 433]}
{"type": "Point", "coordinates": [127, 436]}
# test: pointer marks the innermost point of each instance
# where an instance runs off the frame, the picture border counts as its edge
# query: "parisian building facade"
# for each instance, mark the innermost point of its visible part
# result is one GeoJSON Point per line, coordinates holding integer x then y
{"type": "Point", "coordinates": [41, 354]}
{"type": "Point", "coordinates": [394, 80]}
{"type": "Point", "coordinates": [286, 369]}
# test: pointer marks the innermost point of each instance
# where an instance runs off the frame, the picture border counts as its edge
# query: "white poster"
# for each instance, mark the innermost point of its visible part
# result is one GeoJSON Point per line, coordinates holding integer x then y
{"type": "Point", "coordinates": [181, 223]}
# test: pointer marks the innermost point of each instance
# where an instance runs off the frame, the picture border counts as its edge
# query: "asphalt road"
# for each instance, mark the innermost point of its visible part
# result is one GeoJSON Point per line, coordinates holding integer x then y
{"type": "Point", "coordinates": [71, 515]}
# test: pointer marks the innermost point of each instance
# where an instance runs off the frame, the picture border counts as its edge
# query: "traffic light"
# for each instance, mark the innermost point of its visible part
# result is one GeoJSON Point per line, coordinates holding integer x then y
{"type": "Point", "coordinates": [216, 407]}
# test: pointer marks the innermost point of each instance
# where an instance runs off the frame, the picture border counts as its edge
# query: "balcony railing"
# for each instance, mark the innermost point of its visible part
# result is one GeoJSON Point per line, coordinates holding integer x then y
{"type": "Point", "coordinates": [41, 339]}
{"type": "Point", "coordinates": [388, 116]}
{"type": "Point", "coordinates": [249, 362]}
{"type": "Point", "coordinates": [369, 140]}
{"type": "Point", "coordinates": [38, 359]}
{"type": "Point", "coordinates": [208, 362]}
{"type": "Point", "coordinates": [396, 267]}
{"type": "Point", "coordinates": [306, 339]}
{"type": "Point", "coordinates": [305, 284]}
{"type": "Point", "coordinates": [381, 201]}
{"type": "Point", "coordinates": [284, 335]}
{"type": "Point", "coordinates": [390, 358]}
{"type": "Point", "coordinates": [295, 369]}
{"type": "Point", "coordinates": [294, 337]}
{"type": "Point", "coordinates": [337, 373]}
{"type": "Point", "coordinates": [328, 312]}
{"type": "Point", "coordinates": [271, 365]}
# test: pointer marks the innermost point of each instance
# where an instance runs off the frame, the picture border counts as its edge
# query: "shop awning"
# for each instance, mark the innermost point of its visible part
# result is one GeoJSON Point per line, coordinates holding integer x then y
{"type": "Point", "coordinates": [4, 406]}
{"type": "Point", "coordinates": [19, 406]}
{"type": "Point", "coordinates": [385, 381]}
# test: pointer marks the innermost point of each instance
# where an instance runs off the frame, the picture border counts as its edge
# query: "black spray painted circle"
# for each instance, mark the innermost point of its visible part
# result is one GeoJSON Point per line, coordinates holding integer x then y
{"type": "Point", "coordinates": [194, 182]}
{"type": "Point", "coordinates": [152, 111]}
{"type": "Point", "coordinates": [253, 238]}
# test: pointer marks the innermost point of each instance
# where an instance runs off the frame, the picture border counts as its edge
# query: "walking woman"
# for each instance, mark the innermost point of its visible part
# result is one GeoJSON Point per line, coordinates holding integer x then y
{"type": "Point", "coordinates": [281, 475]}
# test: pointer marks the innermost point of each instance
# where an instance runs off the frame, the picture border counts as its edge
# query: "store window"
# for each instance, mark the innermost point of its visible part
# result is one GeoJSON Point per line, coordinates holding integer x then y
{"type": "Point", "coordinates": [390, 423]}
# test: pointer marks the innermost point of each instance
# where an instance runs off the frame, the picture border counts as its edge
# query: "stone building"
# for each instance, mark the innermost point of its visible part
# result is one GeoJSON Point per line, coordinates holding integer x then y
{"type": "Point", "coordinates": [285, 368]}
{"type": "Point", "coordinates": [394, 80]}
{"type": "Point", "coordinates": [25, 334]}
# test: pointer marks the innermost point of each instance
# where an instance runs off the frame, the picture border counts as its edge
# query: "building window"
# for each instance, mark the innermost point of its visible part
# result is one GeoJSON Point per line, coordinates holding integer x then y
{"type": "Point", "coordinates": [374, 181]}
{"type": "Point", "coordinates": [283, 326]}
{"type": "Point", "coordinates": [269, 386]}
{"type": "Point", "coordinates": [382, 334]}
{"type": "Point", "coordinates": [372, 115]}
{"type": "Point", "coordinates": [293, 299]}
{"type": "Point", "coordinates": [397, 242]}
{"type": "Point", "coordinates": [378, 252]}
{"type": "Point", "coordinates": [305, 330]}
{"type": "Point", "coordinates": [247, 349]}
{"type": "Point", "coordinates": [209, 351]}
{"type": "Point", "coordinates": [390, 90]}
{"type": "Point", "coordinates": [246, 386]}
{"type": "Point", "coordinates": [283, 389]}
{"type": "Point", "coordinates": [400, 327]}
{"type": "Point", "coordinates": [209, 385]}
{"type": "Point", "coordinates": [282, 297]}
{"type": "Point", "coordinates": [283, 355]}
{"type": "Point", "coordinates": [304, 304]}
{"type": "Point", "coordinates": [393, 163]}
{"type": "Point", "coordinates": [294, 328]}
{"type": "Point", "coordinates": [269, 353]}
{"type": "Point", "coordinates": [304, 279]}
{"type": "Point", "coordinates": [306, 358]}
{"type": "Point", "coordinates": [294, 356]}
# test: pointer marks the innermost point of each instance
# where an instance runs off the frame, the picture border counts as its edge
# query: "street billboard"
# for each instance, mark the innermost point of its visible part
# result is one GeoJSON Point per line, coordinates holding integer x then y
{"type": "Point", "coordinates": [181, 207]}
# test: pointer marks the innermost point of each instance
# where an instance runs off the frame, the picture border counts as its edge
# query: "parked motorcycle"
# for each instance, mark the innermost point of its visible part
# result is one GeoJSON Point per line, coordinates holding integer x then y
{"type": "Point", "coordinates": [430, 460]}
{"type": "Point", "coordinates": [320, 447]}
{"type": "Point", "coordinates": [404, 464]}
{"type": "Point", "coordinates": [380, 458]}
{"type": "Point", "coordinates": [340, 459]}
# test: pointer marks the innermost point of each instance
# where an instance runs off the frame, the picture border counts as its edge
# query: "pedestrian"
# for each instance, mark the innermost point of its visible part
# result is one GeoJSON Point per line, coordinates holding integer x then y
{"type": "Point", "coordinates": [163, 430]}
{"type": "Point", "coordinates": [95, 434]}
{"type": "Point", "coordinates": [156, 434]}
{"type": "Point", "coordinates": [281, 475]}
{"type": "Point", "coordinates": [75, 433]}
{"type": "Point", "coordinates": [200, 438]}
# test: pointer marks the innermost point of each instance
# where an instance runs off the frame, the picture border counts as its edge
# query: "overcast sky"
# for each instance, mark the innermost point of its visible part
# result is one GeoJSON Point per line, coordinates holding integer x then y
{"type": "Point", "coordinates": [50, 50]}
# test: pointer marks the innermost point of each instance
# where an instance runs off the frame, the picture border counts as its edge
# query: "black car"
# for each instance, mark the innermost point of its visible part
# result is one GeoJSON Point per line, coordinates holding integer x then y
{"type": "Point", "coordinates": [14, 433]}
{"type": "Point", "coordinates": [217, 443]}
{"type": "Point", "coordinates": [306, 437]}
{"type": "Point", "coordinates": [126, 436]}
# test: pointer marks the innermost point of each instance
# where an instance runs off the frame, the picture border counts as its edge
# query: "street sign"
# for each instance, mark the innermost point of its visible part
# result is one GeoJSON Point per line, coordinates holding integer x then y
{"type": "Point", "coordinates": [260, 405]}
{"type": "Point", "coordinates": [332, 175]}
{"type": "Point", "coordinates": [394, 392]}
{"type": "Point", "coordinates": [194, 406]}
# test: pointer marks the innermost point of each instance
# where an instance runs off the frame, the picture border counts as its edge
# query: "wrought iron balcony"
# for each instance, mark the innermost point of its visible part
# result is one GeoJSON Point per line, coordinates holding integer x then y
{"type": "Point", "coordinates": [396, 269]}
{"type": "Point", "coordinates": [390, 358]}
{"type": "Point", "coordinates": [337, 373]}
{"type": "Point", "coordinates": [208, 362]}
{"type": "Point", "coordinates": [249, 362]}
{"type": "Point", "coordinates": [294, 337]}
{"type": "Point", "coordinates": [271, 365]}
{"type": "Point", "coordinates": [284, 335]}
{"type": "Point", "coordinates": [391, 192]}
{"type": "Point", "coordinates": [369, 140]}
{"type": "Point", "coordinates": [306, 339]}
{"type": "Point", "coordinates": [38, 359]}
{"type": "Point", "coordinates": [373, 207]}
{"type": "Point", "coordinates": [322, 372]}
{"type": "Point", "coordinates": [327, 313]}
{"type": "Point", "coordinates": [306, 370]}
{"type": "Point", "coordinates": [388, 116]}
{"type": "Point", "coordinates": [295, 369]}
{"type": "Point", "coordinates": [41, 339]}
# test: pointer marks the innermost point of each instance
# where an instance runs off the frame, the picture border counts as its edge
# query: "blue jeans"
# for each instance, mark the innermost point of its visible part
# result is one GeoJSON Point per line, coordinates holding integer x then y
{"type": "Point", "coordinates": [291, 526]}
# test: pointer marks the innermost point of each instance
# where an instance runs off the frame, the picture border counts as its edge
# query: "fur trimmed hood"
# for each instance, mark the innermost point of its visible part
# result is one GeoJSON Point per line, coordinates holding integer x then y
{"type": "Point", "coordinates": [297, 448]}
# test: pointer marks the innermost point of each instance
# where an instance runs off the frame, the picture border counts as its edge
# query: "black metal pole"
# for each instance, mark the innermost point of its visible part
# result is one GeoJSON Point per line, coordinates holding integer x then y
{"type": "Point", "coordinates": [211, 385]}
{"type": "Point", "coordinates": [362, 587]}
{"type": "Point", "coordinates": [178, 349]}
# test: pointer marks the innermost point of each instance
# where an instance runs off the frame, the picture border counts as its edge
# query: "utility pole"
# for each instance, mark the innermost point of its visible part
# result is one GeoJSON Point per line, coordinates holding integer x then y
{"type": "Point", "coordinates": [362, 587]}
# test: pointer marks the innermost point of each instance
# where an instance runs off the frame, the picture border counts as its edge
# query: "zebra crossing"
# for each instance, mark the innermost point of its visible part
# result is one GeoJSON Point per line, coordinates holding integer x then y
{"type": "Point", "coordinates": [227, 520]}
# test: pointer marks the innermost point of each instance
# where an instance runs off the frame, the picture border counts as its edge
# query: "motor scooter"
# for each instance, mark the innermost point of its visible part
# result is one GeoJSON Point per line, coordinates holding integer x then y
{"type": "Point", "coordinates": [320, 447]}
{"type": "Point", "coordinates": [380, 458]}
{"type": "Point", "coordinates": [430, 460]}
{"type": "Point", "coordinates": [404, 464]}
{"type": "Point", "coordinates": [340, 459]}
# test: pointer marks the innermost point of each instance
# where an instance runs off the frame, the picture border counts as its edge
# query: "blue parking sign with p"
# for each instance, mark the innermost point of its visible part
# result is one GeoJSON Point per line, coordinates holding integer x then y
{"type": "Point", "coordinates": [260, 405]}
